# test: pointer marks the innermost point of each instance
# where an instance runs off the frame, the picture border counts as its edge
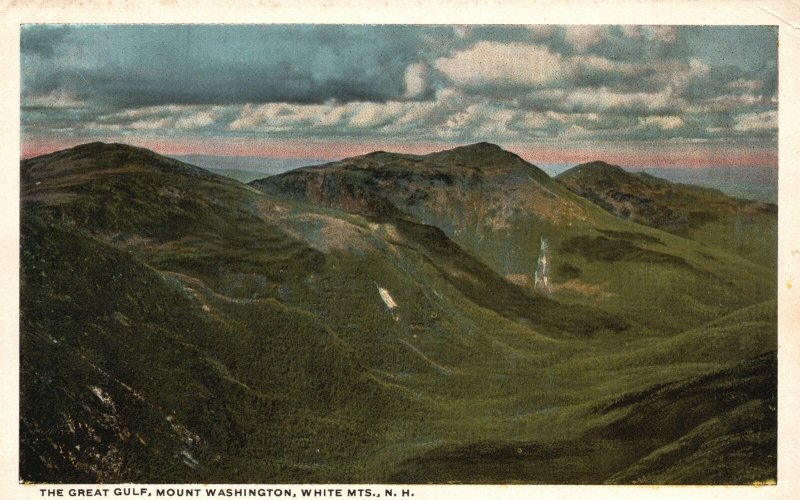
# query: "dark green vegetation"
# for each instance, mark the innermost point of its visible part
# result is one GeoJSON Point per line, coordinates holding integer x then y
{"type": "Point", "coordinates": [662, 435]}
{"type": "Point", "coordinates": [375, 320]}
{"type": "Point", "coordinates": [498, 208]}
{"type": "Point", "coordinates": [747, 228]}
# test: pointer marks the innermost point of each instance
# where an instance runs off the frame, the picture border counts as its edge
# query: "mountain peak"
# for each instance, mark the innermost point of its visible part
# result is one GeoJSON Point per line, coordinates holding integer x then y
{"type": "Point", "coordinates": [99, 146]}
{"type": "Point", "coordinates": [596, 172]}
{"type": "Point", "coordinates": [478, 149]}
{"type": "Point", "coordinates": [600, 164]}
{"type": "Point", "coordinates": [482, 146]}
{"type": "Point", "coordinates": [483, 155]}
{"type": "Point", "coordinates": [91, 149]}
{"type": "Point", "coordinates": [101, 156]}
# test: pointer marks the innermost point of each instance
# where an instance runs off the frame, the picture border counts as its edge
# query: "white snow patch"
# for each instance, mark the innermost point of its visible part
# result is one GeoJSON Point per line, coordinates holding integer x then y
{"type": "Point", "coordinates": [102, 396]}
{"type": "Point", "coordinates": [189, 460]}
{"type": "Point", "coordinates": [387, 298]}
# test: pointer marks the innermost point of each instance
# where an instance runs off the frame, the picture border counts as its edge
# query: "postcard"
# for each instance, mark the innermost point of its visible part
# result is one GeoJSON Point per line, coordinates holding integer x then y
{"type": "Point", "coordinates": [476, 251]}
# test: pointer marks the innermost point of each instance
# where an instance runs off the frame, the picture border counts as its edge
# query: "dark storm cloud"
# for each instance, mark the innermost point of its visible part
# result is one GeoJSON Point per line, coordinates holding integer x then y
{"type": "Point", "coordinates": [747, 47]}
{"type": "Point", "coordinates": [429, 83]}
{"type": "Point", "coordinates": [150, 65]}
{"type": "Point", "coordinates": [42, 40]}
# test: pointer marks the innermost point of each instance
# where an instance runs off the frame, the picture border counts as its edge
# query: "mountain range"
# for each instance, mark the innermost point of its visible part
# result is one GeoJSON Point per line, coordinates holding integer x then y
{"type": "Point", "coordinates": [453, 317]}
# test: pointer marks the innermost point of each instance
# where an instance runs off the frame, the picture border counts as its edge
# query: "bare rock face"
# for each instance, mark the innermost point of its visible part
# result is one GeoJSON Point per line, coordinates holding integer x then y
{"type": "Point", "coordinates": [541, 282]}
{"type": "Point", "coordinates": [479, 195]}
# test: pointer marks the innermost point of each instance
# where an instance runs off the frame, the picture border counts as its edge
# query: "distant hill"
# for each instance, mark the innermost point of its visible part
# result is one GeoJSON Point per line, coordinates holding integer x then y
{"type": "Point", "coordinates": [703, 214]}
{"type": "Point", "coordinates": [503, 210]}
{"type": "Point", "coordinates": [245, 168]}
{"type": "Point", "coordinates": [749, 183]}
{"type": "Point", "coordinates": [348, 324]}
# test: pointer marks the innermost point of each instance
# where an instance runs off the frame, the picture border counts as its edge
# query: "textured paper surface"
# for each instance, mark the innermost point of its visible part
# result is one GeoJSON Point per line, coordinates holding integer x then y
{"type": "Point", "coordinates": [785, 14]}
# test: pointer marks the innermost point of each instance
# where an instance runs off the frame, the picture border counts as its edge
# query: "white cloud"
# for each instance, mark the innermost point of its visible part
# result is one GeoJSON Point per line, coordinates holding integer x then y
{"type": "Point", "coordinates": [681, 75]}
{"type": "Point", "coordinates": [154, 124]}
{"type": "Point", "coordinates": [727, 103]}
{"type": "Point", "coordinates": [583, 37]}
{"type": "Point", "coordinates": [543, 31]}
{"type": "Point", "coordinates": [332, 116]}
{"type": "Point", "coordinates": [579, 65]}
{"type": "Point", "coordinates": [662, 122]}
{"type": "Point", "coordinates": [574, 131]}
{"type": "Point", "coordinates": [183, 117]}
{"type": "Point", "coordinates": [276, 115]}
{"type": "Point", "coordinates": [465, 117]}
{"type": "Point", "coordinates": [499, 91]}
{"type": "Point", "coordinates": [676, 74]}
{"type": "Point", "coordinates": [196, 120]}
{"type": "Point", "coordinates": [745, 85]}
{"type": "Point", "coordinates": [358, 115]}
{"type": "Point", "coordinates": [603, 99]}
{"type": "Point", "coordinates": [632, 31]}
{"type": "Point", "coordinates": [373, 114]}
{"type": "Point", "coordinates": [149, 112]}
{"type": "Point", "coordinates": [524, 65]}
{"type": "Point", "coordinates": [57, 99]}
{"type": "Point", "coordinates": [750, 122]}
{"type": "Point", "coordinates": [416, 113]}
{"type": "Point", "coordinates": [534, 120]}
{"type": "Point", "coordinates": [416, 78]}
{"type": "Point", "coordinates": [501, 63]}
{"type": "Point", "coordinates": [553, 120]}
{"type": "Point", "coordinates": [666, 34]}
{"type": "Point", "coordinates": [462, 31]}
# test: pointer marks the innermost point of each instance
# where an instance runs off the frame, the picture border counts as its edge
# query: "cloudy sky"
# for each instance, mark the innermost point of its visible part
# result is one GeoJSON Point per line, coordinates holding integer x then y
{"type": "Point", "coordinates": [634, 95]}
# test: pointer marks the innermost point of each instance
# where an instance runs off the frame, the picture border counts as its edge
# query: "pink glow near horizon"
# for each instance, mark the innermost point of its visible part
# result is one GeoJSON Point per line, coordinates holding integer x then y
{"type": "Point", "coordinates": [675, 156]}
{"type": "Point", "coordinates": [626, 155]}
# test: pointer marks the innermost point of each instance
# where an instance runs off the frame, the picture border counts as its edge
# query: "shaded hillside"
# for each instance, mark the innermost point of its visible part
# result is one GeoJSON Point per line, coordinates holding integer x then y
{"type": "Point", "coordinates": [231, 289]}
{"type": "Point", "coordinates": [132, 372]}
{"type": "Point", "coordinates": [456, 185]}
{"type": "Point", "coordinates": [504, 210]}
{"type": "Point", "coordinates": [127, 377]}
{"type": "Point", "coordinates": [746, 227]}
{"type": "Point", "coordinates": [714, 429]}
{"type": "Point", "coordinates": [178, 326]}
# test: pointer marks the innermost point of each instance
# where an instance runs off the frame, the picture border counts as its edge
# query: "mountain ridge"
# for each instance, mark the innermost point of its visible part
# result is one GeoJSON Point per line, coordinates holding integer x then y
{"type": "Point", "coordinates": [505, 216]}
{"type": "Point", "coordinates": [244, 336]}
{"type": "Point", "coordinates": [700, 213]}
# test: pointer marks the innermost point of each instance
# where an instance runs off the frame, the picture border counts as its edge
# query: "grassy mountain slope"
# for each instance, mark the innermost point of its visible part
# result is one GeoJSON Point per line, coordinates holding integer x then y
{"type": "Point", "coordinates": [706, 215]}
{"type": "Point", "coordinates": [180, 326]}
{"type": "Point", "coordinates": [127, 375]}
{"type": "Point", "coordinates": [272, 286]}
{"type": "Point", "coordinates": [700, 430]}
{"type": "Point", "coordinates": [499, 208]}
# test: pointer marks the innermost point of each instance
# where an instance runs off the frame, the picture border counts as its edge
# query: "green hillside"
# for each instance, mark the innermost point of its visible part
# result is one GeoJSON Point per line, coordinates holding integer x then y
{"type": "Point", "coordinates": [179, 326]}
{"type": "Point", "coordinates": [744, 227]}
{"type": "Point", "coordinates": [676, 433]}
{"type": "Point", "coordinates": [500, 208]}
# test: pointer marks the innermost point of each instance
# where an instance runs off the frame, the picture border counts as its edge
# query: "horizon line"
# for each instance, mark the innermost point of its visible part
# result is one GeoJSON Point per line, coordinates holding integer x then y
{"type": "Point", "coordinates": [647, 155]}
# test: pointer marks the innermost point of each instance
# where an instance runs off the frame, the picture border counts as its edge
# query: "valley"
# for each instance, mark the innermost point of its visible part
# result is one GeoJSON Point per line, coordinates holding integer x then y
{"type": "Point", "coordinates": [378, 320]}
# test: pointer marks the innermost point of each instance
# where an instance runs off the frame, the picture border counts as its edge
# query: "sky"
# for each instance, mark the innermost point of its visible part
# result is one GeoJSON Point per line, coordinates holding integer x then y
{"type": "Point", "coordinates": [646, 96]}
